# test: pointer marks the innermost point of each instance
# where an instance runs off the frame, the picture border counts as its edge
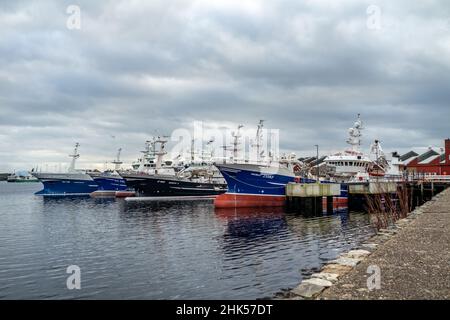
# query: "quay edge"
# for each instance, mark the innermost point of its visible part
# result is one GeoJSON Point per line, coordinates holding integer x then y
{"type": "Point", "coordinates": [397, 250]}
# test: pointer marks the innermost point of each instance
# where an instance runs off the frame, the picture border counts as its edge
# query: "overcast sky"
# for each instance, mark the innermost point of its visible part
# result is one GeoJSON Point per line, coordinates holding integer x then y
{"type": "Point", "coordinates": [139, 67]}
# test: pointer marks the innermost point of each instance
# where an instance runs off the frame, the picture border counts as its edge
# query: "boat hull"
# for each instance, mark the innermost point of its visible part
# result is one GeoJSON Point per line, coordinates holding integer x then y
{"type": "Point", "coordinates": [56, 185]}
{"type": "Point", "coordinates": [108, 185]}
{"type": "Point", "coordinates": [252, 185]}
{"type": "Point", "coordinates": [124, 194]}
{"type": "Point", "coordinates": [168, 186]}
{"type": "Point", "coordinates": [236, 200]}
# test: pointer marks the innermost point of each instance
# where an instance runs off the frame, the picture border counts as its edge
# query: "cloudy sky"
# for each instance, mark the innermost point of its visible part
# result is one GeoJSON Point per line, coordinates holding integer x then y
{"type": "Point", "coordinates": [134, 68]}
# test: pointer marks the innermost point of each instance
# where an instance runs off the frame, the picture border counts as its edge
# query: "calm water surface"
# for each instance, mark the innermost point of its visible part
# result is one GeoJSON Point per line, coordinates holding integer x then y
{"type": "Point", "coordinates": [160, 250]}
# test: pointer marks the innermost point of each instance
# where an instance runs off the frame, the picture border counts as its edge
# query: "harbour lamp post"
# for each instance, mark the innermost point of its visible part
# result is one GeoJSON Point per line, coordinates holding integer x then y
{"type": "Point", "coordinates": [317, 162]}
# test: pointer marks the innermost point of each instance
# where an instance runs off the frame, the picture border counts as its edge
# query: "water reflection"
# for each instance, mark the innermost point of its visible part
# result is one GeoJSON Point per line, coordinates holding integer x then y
{"type": "Point", "coordinates": [251, 222]}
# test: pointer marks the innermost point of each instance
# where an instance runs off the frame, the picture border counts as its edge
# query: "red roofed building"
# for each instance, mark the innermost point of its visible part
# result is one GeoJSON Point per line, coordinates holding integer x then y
{"type": "Point", "coordinates": [431, 162]}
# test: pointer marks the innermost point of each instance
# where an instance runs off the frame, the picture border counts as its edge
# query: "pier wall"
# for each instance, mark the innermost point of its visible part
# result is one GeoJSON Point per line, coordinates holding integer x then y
{"type": "Point", "coordinates": [319, 198]}
{"type": "Point", "coordinates": [407, 261]}
{"type": "Point", "coordinates": [312, 198]}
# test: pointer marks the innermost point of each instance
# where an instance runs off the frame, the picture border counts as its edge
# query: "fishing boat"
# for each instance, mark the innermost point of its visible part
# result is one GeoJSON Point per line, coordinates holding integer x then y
{"type": "Point", "coordinates": [258, 184]}
{"type": "Point", "coordinates": [352, 165]}
{"type": "Point", "coordinates": [110, 183]}
{"type": "Point", "coordinates": [165, 186]}
{"type": "Point", "coordinates": [71, 183]}
{"type": "Point", "coordinates": [147, 162]}
{"type": "Point", "coordinates": [21, 178]}
{"type": "Point", "coordinates": [153, 179]}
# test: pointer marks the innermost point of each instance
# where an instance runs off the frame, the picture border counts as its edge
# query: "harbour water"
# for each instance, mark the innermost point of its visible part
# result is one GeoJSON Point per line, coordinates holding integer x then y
{"type": "Point", "coordinates": [160, 250]}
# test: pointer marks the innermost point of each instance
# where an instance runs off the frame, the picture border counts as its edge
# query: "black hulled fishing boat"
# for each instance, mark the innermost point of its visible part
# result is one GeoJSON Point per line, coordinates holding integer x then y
{"type": "Point", "coordinates": [146, 185]}
{"type": "Point", "coordinates": [155, 178]}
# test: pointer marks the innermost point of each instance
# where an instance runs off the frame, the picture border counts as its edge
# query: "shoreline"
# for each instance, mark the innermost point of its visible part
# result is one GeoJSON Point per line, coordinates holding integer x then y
{"type": "Point", "coordinates": [392, 252]}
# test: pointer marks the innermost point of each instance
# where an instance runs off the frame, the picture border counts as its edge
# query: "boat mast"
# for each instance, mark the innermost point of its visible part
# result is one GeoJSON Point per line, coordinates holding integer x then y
{"type": "Point", "coordinates": [145, 154]}
{"type": "Point", "coordinates": [258, 144]}
{"type": "Point", "coordinates": [117, 162]}
{"type": "Point", "coordinates": [160, 154]}
{"type": "Point", "coordinates": [209, 151]}
{"type": "Point", "coordinates": [192, 150]}
{"type": "Point", "coordinates": [355, 135]}
{"type": "Point", "coordinates": [75, 155]}
{"type": "Point", "coordinates": [380, 157]}
{"type": "Point", "coordinates": [236, 136]}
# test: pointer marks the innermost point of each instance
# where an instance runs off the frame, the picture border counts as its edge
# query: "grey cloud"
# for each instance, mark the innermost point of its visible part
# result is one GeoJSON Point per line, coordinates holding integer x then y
{"type": "Point", "coordinates": [135, 67]}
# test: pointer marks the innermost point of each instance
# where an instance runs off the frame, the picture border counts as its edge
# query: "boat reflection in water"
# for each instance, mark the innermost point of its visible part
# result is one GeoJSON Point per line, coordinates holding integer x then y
{"type": "Point", "coordinates": [252, 222]}
{"type": "Point", "coordinates": [265, 221]}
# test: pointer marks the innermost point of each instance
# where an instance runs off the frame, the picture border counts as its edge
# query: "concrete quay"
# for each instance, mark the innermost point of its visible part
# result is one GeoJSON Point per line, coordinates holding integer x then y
{"type": "Point", "coordinates": [408, 261]}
